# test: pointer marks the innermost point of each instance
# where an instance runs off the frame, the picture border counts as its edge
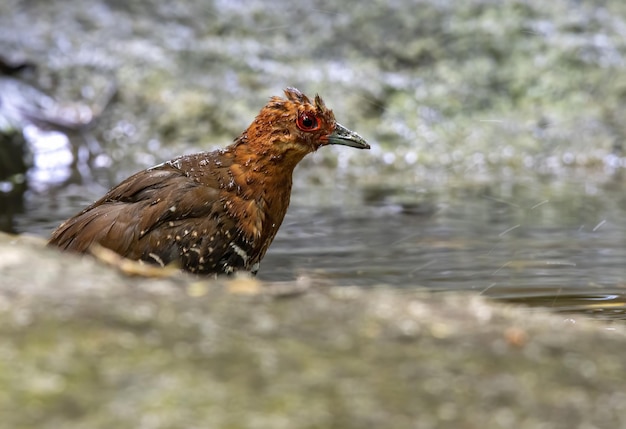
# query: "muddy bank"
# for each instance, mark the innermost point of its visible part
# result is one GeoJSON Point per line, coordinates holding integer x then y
{"type": "Point", "coordinates": [84, 346]}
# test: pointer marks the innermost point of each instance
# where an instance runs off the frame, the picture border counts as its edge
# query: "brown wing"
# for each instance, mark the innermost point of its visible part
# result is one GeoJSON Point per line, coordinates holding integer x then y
{"type": "Point", "coordinates": [160, 215]}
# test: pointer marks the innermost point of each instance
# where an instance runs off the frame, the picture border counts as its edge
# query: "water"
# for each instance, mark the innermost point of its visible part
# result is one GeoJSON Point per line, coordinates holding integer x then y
{"type": "Point", "coordinates": [556, 244]}
{"type": "Point", "coordinates": [567, 254]}
{"type": "Point", "coordinates": [540, 241]}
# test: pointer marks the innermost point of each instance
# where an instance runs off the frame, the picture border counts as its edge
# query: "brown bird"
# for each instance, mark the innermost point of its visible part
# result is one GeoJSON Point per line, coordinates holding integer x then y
{"type": "Point", "coordinates": [211, 212]}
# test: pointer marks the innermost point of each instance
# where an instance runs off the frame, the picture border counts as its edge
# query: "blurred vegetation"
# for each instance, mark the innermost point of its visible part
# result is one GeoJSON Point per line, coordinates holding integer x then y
{"type": "Point", "coordinates": [471, 90]}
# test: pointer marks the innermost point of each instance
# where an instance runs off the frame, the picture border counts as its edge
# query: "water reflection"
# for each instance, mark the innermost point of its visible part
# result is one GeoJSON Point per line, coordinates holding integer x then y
{"type": "Point", "coordinates": [601, 305]}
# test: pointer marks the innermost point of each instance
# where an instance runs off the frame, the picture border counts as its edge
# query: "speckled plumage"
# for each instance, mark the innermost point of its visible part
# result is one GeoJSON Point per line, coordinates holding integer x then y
{"type": "Point", "coordinates": [211, 212]}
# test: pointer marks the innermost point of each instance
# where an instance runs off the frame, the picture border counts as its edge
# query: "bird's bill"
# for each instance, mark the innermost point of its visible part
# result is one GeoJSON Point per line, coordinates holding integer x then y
{"type": "Point", "coordinates": [346, 137]}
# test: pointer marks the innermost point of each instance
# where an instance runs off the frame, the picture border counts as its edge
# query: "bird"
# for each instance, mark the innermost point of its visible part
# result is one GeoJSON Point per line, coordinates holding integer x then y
{"type": "Point", "coordinates": [217, 212]}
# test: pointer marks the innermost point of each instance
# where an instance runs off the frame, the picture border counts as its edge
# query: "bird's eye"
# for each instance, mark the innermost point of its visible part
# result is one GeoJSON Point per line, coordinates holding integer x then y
{"type": "Point", "coordinates": [307, 122]}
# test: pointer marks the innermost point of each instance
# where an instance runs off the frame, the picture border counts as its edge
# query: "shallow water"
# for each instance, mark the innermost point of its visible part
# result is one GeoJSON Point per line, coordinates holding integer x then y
{"type": "Point", "coordinates": [514, 243]}
{"type": "Point", "coordinates": [564, 254]}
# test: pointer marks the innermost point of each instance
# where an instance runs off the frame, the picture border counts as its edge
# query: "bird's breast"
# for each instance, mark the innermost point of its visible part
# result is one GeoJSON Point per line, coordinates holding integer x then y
{"type": "Point", "coordinates": [258, 214]}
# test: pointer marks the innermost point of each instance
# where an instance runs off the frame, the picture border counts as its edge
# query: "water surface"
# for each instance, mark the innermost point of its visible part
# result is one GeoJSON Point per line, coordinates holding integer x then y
{"type": "Point", "coordinates": [567, 254]}
{"type": "Point", "coordinates": [550, 245]}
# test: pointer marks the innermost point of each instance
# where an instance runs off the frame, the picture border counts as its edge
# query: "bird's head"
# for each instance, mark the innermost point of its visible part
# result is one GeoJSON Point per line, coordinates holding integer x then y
{"type": "Point", "coordinates": [291, 127]}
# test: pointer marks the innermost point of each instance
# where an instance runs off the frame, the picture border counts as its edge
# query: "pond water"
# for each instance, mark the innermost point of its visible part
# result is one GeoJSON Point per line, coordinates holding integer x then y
{"type": "Point", "coordinates": [566, 254]}
{"type": "Point", "coordinates": [554, 245]}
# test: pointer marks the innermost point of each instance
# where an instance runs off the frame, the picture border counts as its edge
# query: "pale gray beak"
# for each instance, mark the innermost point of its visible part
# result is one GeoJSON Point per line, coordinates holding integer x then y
{"type": "Point", "coordinates": [346, 137]}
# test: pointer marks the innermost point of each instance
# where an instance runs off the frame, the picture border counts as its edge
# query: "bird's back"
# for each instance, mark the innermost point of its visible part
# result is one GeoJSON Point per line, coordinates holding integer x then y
{"type": "Point", "coordinates": [174, 212]}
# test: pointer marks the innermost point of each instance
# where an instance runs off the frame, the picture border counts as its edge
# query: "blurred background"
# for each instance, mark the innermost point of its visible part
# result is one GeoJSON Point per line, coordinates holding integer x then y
{"type": "Point", "coordinates": [497, 130]}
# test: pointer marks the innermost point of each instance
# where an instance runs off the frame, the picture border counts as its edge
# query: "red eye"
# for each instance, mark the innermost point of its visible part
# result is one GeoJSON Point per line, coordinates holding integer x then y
{"type": "Point", "coordinates": [307, 122]}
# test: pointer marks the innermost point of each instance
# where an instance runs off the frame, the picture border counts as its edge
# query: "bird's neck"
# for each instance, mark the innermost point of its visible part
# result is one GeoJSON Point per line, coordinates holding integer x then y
{"type": "Point", "coordinates": [263, 168]}
{"type": "Point", "coordinates": [264, 176]}
{"type": "Point", "coordinates": [258, 187]}
{"type": "Point", "coordinates": [269, 150]}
